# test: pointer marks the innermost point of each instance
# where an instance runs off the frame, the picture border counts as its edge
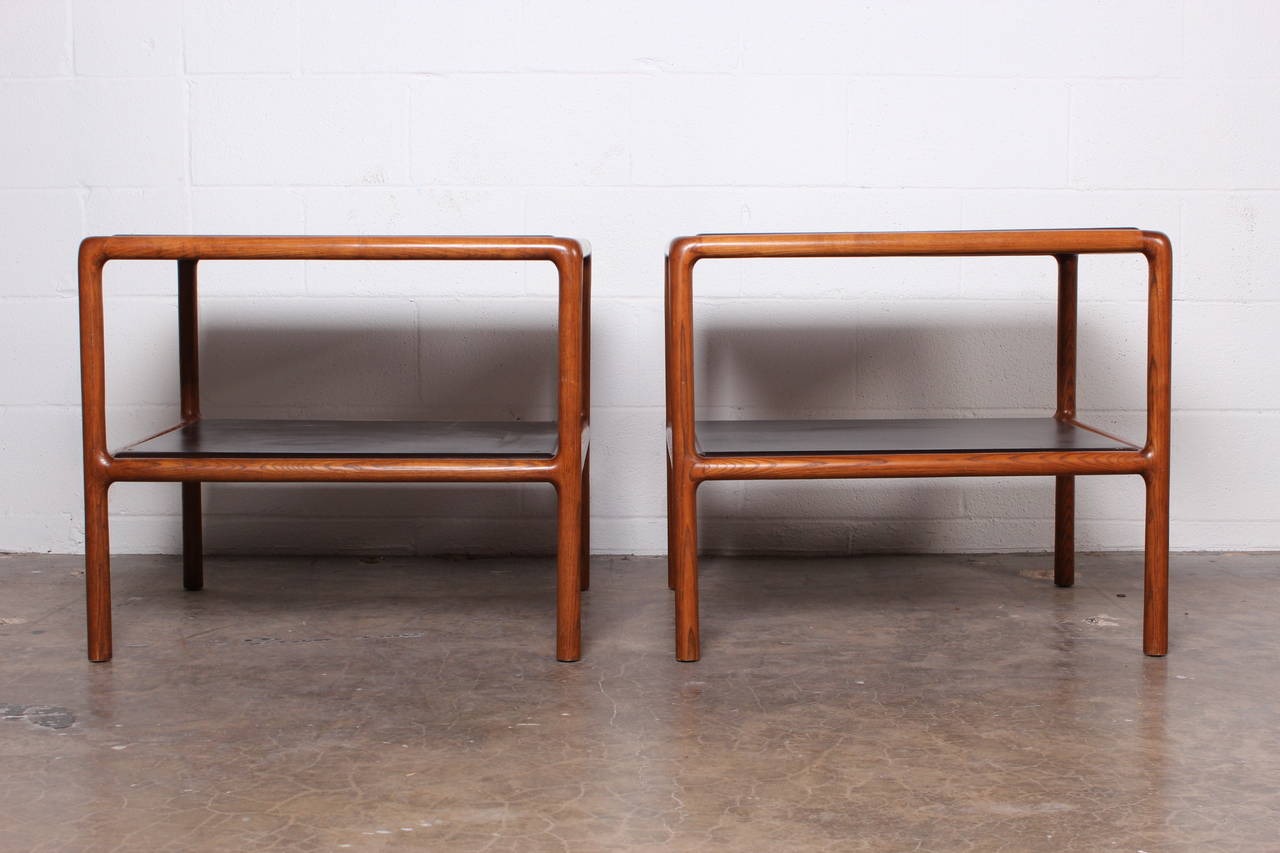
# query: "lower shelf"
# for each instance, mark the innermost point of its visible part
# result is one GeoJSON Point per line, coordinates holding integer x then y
{"type": "Point", "coordinates": [212, 439]}
{"type": "Point", "coordinates": [919, 435]}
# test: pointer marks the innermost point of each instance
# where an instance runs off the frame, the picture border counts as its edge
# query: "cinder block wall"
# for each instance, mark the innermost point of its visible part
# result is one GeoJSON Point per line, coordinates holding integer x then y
{"type": "Point", "coordinates": [628, 124]}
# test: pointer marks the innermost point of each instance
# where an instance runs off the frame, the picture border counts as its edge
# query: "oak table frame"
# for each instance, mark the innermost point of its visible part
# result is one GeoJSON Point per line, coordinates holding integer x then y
{"type": "Point", "coordinates": [566, 467]}
{"type": "Point", "coordinates": [689, 463]}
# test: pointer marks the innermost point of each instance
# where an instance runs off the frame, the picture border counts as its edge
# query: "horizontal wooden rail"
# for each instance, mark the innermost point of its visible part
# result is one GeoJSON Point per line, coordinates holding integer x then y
{"type": "Point", "coordinates": [917, 465]}
{"type": "Point", "coordinates": [408, 248]}
{"type": "Point", "coordinates": [911, 243]}
{"type": "Point", "coordinates": [339, 469]}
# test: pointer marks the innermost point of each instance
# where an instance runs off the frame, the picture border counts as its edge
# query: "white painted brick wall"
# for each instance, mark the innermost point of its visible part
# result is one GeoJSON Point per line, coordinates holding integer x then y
{"type": "Point", "coordinates": [627, 124]}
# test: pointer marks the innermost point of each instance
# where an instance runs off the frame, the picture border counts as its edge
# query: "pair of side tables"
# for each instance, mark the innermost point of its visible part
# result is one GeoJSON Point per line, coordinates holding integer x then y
{"type": "Point", "coordinates": [199, 450]}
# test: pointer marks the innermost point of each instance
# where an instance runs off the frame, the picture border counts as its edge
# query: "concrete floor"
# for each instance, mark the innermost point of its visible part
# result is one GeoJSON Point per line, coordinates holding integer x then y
{"type": "Point", "coordinates": [880, 703]}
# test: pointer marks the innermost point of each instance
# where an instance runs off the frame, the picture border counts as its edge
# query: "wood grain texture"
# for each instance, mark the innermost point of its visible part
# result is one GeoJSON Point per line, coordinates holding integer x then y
{"type": "Point", "coordinates": [688, 463]}
{"type": "Point", "coordinates": [406, 248]}
{"type": "Point", "coordinates": [1155, 619]}
{"type": "Point", "coordinates": [561, 457]}
{"type": "Point", "coordinates": [910, 244]}
{"type": "Point", "coordinates": [584, 546]}
{"type": "Point", "coordinates": [1031, 463]}
{"type": "Point", "coordinates": [337, 470]}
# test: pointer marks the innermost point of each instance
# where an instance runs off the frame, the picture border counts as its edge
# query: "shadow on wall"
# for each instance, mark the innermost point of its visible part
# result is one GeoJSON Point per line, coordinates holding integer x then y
{"type": "Point", "coordinates": [791, 360]}
{"type": "Point", "coordinates": [914, 361]}
{"type": "Point", "coordinates": [457, 367]}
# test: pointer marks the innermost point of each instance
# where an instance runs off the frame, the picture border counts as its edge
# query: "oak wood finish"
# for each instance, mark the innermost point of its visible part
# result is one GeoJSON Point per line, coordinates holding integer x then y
{"type": "Point", "coordinates": [564, 466]}
{"type": "Point", "coordinates": [584, 560]}
{"type": "Point", "coordinates": [692, 457]}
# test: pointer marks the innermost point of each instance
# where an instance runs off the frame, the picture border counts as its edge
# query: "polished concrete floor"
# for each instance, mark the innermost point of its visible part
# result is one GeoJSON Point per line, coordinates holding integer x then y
{"type": "Point", "coordinates": [939, 703]}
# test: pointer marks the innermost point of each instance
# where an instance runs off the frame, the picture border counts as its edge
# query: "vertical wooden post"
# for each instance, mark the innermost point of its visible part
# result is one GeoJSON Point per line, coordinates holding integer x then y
{"type": "Point", "coordinates": [569, 569]}
{"type": "Point", "coordinates": [192, 538]}
{"type": "Point", "coordinates": [572, 415]}
{"type": "Point", "coordinates": [97, 567]}
{"type": "Point", "coordinates": [1155, 597]}
{"type": "Point", "coordinates": [1064, 502]}
{"type": "Point", "coordinates": [189, 396]}
{"type": "Point", "coordinates": [682, 522]}
{"type": "Point", "coordinates": [671, 512]}
{"type": "Point", "coordinates": [1064, 530]}
{"type": "Point", "coordinates": [188, 341]}
{"type": "Point", "coordinates": [586, 419]}
{"type": "Point", "coordinates": [671, 526]}
{"type": "Point", "coordinates": [684, 557]}
{"type": "Point", "coordinates": [93, 395]}
{"type": "Point", "coordinates": [1155, 582]}
{"type": "Point", "coordinates": [584, 581]}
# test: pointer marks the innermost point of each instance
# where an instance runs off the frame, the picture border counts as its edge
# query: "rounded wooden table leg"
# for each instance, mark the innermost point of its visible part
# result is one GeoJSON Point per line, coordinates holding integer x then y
{"type": "Point", "coordinates": [671, 531]}
{"type": "Point", "coordinates": [192, 538]}
{"type": "Point", "coordinates": [1155, 588]}
{"type": "Point", "coordinates": [97, 570]}
{"type": "Point", "coordinates": [586, 524]}
{"type": "Point", "coordinates": [569, 570]}
{"type": "Point", "coordinates": [1064, 531]}
{"type": "Point", "coordinates": [683, 554]}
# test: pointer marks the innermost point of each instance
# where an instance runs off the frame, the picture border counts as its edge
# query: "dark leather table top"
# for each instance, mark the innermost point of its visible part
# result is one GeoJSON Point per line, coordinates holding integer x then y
{"type": "Point", "coordinates": [918, 435]}
{"type": "Point", "coordinates": [361, 439]}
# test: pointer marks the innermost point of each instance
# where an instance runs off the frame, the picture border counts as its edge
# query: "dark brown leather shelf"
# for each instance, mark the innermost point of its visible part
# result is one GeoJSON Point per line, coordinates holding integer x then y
{"type": "Point", "coordinates": [274, 439]}
{"type": "Point", "coordinates": [917, 435]}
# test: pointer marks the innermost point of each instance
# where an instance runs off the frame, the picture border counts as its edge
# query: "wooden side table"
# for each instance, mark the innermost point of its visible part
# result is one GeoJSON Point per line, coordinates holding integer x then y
{"type": "Point", "coordinates": [204, 450]}
{"type": "Point", "coordinates": [1059, 446]}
